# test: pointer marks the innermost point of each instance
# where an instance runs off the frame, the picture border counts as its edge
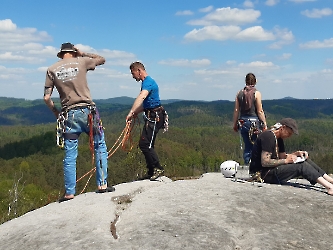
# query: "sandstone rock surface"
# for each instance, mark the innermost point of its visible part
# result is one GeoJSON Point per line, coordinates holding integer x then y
{"type": "Point", "coordinates": [211, 212]}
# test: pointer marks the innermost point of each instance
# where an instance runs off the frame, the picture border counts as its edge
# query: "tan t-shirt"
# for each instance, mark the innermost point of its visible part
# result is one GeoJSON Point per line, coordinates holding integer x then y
{"type": "Point", "coordinates": [69, 76]}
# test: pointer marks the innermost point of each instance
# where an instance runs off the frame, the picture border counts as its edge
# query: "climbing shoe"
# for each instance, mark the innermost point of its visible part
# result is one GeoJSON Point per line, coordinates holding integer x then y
{"type": "Point", "coordinates": [157, 173]}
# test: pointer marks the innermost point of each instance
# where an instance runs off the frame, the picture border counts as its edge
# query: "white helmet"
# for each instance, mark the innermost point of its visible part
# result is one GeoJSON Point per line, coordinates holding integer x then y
{"type": "Point", "coordinates": [229, 168]}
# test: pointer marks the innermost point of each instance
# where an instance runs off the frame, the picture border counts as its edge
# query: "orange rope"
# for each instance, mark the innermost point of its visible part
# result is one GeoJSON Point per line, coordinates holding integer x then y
{"type": "Point", "coordinates": [91, 137]}
{"type": "Point", "coordinates": [92, 150]}
{"type": "Point", "coordinates": [126, 142]}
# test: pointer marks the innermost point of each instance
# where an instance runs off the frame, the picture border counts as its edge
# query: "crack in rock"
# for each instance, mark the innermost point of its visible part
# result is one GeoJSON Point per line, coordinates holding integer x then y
{"type": "Point", "coordinates": [122, 202]}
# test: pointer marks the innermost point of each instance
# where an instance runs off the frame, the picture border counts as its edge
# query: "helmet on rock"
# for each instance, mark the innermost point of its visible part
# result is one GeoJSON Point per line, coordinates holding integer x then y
{"type": "Point", "coordinates": [229, 168]}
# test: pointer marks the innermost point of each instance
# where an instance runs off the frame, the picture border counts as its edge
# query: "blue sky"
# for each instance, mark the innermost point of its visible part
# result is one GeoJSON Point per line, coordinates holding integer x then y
{"type": "Point", "coordinates": [195, 50]}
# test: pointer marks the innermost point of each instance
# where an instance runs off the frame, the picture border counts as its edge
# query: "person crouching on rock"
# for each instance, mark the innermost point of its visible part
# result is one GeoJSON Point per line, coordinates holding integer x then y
{"type": "Point", "coordinates": [276, 166]}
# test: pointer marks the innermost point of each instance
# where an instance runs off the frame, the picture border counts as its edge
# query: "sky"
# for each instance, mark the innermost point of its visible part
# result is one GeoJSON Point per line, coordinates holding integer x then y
{"type": "Point", "coordinates": [194, 50]}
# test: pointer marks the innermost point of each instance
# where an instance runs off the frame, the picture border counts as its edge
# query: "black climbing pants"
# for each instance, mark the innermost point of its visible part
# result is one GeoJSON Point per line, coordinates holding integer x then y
{"type": "Point", "coordinates": [307, 169]}
{"type": "Point", "coordinates": [154, 121]}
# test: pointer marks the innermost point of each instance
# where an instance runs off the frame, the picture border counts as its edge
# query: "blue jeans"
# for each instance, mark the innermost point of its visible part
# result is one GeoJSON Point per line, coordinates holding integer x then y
{"type": "Point", "coordinates": [248, 141]}
{"type": "Point", "coordinates": [76, 123]}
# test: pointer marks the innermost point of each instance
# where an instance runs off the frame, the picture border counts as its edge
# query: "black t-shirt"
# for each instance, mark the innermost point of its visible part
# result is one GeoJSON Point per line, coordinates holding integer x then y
{"type": "Point", "coordinates": [265, 142]}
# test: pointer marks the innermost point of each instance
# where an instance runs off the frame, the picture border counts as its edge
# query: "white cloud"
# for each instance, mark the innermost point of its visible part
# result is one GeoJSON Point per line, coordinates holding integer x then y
{"type": "Point", "coordinates": [326, 71]}
{"type": "Point", "coordinates": [7, 25]}
{"type": "Point", "coordinates": [186, 62]}
{"type": "Point", "coordinates": [272, 2]}
{"type": "Point", "coordinates": [228, 16]}
{"type": "Point", "coordinates": [119, 75]}
{"type": "Point", "coordinates": [42, 50]}
{"type": "Point", "coordinates": [207, 9]}
{"type": "Point", "coordinates": [211, 72]}
{"type": "Point", "coordinates": [117, 57]}
{"type": "Point", "coordinates": [327, 43]}
{"type": "Point", "coordinates": [85, 48]}
{"type": "Point", "coordinates": [317, 13]}
{"type": "Point", "coordinates": [285, 56]}
{"type": "Point", "coordinates": [248, 4]}
{"type": "Point", "coordinates": [184, 13]}
{"type": "Point", "coordinates": [23, 45]}
{"type": "Point", "coordinates": [12, 74]}
{"type": "Point", "coordinates": [258, 64]}
{"type": "Point", "coordinates": [12, 38]}
{"type": "Point", "coordinates": [283, 36]}
{"type": "Point", "coordinates": [117, 54]}
{"type": "Point", "coordinates": [10, 56]}
{"type": "Point", "coordinates": [231, 62]}
{"type": "Point", "coordinates": [113, 57]}
{"type": "Point", "coordinates": [255, 33]}
{"type": "Point", "coordinates": [219, 33]}
{"type": "Point", "coordinates": [302, 1]}
{"type": "Point", "coordinates": [42, 69]}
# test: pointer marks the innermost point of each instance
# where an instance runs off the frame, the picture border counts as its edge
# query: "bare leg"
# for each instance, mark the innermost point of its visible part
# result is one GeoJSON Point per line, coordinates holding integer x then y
{"type": "Point", "coordinates": [328, 178]}
{"type": "Point", "coordinates": [69, 196]}
{"type": "Point", "coordinates": [102, 187]}
{"type": "Point", "coordinates": [326, 184]}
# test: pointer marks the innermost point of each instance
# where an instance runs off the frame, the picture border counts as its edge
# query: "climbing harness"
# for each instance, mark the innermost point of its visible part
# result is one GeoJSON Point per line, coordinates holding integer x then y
{"type": "Point", "coordinates": [255, 128]}
{"type": "Point", "coordinates": [154, 120]}
{"type": "Point", "coordinates": [147, 119]}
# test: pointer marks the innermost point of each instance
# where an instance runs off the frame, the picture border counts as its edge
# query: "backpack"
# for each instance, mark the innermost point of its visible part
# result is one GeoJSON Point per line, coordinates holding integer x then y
{"type": "Point", "coordinates": [248, 97]}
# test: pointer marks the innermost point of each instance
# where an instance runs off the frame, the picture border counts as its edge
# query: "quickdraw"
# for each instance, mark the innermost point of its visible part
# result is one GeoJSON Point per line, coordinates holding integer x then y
{"type": "Point", "coordinates": [256, 177]}
{"type": "Point", "coordinates": [166, 122]}
{"type": "Point", "coordinates": [60, 131]}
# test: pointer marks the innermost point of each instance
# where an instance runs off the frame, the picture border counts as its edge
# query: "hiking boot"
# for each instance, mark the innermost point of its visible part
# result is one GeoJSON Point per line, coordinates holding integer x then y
{"type": "Point", "coordinates": [157, 173]}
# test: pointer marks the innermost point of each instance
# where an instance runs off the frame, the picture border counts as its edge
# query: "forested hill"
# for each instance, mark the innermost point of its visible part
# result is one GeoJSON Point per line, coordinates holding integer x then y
{"type": "Point", "coordinates": [199, 139]}
{"type": "Point", "coordinates": [25, 112]}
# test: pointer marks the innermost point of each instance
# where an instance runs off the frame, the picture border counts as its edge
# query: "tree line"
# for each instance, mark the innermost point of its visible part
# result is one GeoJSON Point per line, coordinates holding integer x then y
{"type": "Point", "coordinates": [200, 138]}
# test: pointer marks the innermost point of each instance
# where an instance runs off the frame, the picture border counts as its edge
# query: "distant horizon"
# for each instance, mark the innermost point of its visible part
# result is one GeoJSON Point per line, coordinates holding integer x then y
{"type": "Point", "coordinates": [173, 99]}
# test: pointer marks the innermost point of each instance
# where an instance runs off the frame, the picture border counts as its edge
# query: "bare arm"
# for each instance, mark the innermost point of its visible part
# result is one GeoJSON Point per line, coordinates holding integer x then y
{"type": "Point", "coordinates": [236, 114]}
{"type": "Point", "coordinates": [267, 161]}
{"type": "Point", "coordinates": [137, 105]}
{"type": "Point", "coordinates": [99, 59]}
{"type": "Point", "coordinates": [48, 101]}
{"type": "Point", "coordinates": [260, 111]}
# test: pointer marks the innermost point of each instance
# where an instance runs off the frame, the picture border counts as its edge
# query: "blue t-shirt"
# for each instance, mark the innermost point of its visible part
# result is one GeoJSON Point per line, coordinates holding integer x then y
{"type": "Point", "coordinates": [153, 98]}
